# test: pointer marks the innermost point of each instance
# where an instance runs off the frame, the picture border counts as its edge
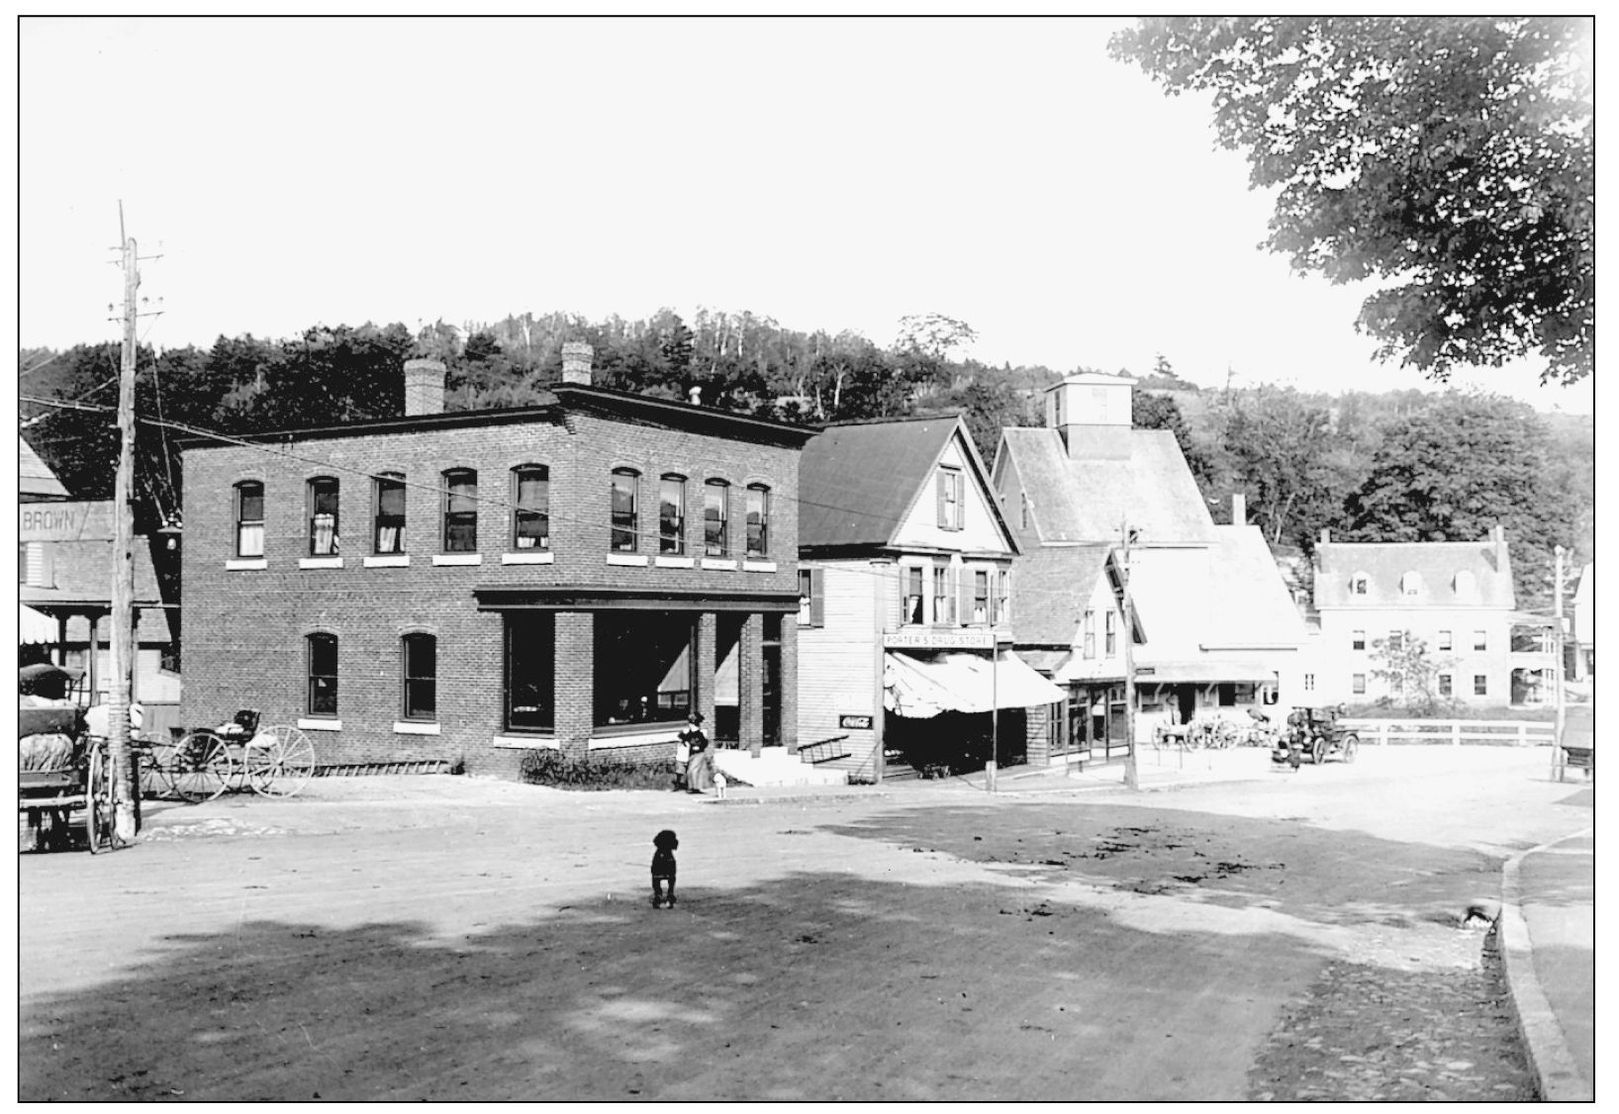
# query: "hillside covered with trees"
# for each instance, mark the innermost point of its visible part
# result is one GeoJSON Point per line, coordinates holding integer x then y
{"type": "Point", "coordinates": [1405, 465]}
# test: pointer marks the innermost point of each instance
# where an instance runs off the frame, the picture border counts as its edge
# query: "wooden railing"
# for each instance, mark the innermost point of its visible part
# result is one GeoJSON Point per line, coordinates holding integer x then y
{"type": "Point", "coordinates": [1451, 732]}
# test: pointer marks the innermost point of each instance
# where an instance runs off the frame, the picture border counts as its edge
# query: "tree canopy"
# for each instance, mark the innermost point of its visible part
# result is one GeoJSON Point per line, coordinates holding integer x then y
{"type": "Point", "coordinates": [1449, 159]}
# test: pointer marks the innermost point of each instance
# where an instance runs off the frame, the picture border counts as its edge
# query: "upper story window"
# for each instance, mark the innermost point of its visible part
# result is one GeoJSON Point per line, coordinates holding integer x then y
{"type": "Point", "coordinates": [1357, 640]}
{"type": "Point", "coordinates": [1411, 584]}
{"type": "Point", "coordinates": [758, 520]}
{"type": "Point", "coordinates": [389, 512]}
{"type": "Point", "coordinates": [1112, 634]}
{"type": "Point", "coordinates": [1359, 584]}
{"type": "Point", "coordinates": [716, 503]}
{"type": "Point", "coordinates": [1396, 641]}
{"type": "Point", "coordinates": [321, 667]}
{"type": "Point", "coordinates": [1003, 597]}
{"type": "Point", "coordinates": [531, 507]}
{"type": "Point", "coordinates": [672, 514]}
{"type": "Point", "coordinates": [1444, 640]}
{"type": "Point", "coordinates": [625, 527]}
{"type": "Point", "coordinates": [980, 595]}
{"type": "Point", "coordinates": [420, 681]}
{"type": "Point", "coordinates": [950, 498]}
{"type": "Point", "coordinates": [944, 596]}
{"type": "Point", "coordinates": [811, 598]}
{"type": "Point", "coordinates": [1090, 633]}
{"type": "Point", "coordinates": [250, 519]}
{"type": "Point", "coordinates": [323, 540]}
{"type": "Point", "coordinates": [1481, 640]}
{"type": "Point", "coordinates": [461, 511]}
{"type": "Point", "coordinates": [915, 604]}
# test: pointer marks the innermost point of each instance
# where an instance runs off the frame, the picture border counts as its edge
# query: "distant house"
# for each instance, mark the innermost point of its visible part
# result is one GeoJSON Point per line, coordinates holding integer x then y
{"type": "Point", "coordinates": [1457, 597]}
{"type": "Point", "coordinates": [905, 574]}
{"type": "Point", "coordinates": [64, 593]}
{"type": "Point", "coordinates": [1584, 664]}
{"type": "Point", "coordinates": [1215, 630]}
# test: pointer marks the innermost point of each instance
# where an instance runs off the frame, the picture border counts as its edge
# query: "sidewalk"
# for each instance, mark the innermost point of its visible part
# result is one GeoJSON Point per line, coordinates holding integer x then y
{"type": "Point", "coordinates": [1548, 934]}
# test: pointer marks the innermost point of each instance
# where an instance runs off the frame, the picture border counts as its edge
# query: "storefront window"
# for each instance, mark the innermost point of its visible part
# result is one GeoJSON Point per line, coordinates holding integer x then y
{"type": "Point", "coordinates": [530, 670]}
{"type": "Point", "coordinates": [643, 668]}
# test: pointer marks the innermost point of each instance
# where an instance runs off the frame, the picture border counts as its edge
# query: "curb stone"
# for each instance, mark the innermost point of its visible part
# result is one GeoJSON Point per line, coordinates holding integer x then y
{"type": "Point", "coordinates": [1556, 1077]}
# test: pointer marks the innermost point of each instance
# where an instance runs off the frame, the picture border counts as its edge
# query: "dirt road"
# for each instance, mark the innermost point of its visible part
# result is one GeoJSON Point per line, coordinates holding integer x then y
{"type": "Point", "coordinates": [443, 938]}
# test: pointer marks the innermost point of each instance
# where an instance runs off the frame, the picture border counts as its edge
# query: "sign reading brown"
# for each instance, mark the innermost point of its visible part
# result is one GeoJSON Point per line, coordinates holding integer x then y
{"type": "Point", "coordinates": [65, 522]}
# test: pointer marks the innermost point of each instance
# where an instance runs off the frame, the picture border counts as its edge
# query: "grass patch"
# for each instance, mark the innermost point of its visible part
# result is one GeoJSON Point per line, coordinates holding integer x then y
{"type": "Point", "coordinates": [593, 773]}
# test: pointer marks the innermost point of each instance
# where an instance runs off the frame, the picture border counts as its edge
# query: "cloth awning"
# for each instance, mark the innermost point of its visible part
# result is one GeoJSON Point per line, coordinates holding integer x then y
{"type": "Point", "coordinates": [922, 686]}
{"type": "Point", "coordinates": [1210, 671]}
{"type": "Point", "coordinates": [34, 629]}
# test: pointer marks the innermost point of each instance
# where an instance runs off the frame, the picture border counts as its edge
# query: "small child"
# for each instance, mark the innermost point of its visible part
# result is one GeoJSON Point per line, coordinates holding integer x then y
{"type": "Point", "coordinates": [719, 784]}
{"type": "Point", "coordinates": [663, 868]}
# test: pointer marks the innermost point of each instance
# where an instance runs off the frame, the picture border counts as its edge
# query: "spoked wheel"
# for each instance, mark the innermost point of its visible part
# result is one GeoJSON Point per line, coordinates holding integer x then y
{"type": "Point", "coordinates": [155, 765]}
{"type": "Point", "coordinates": [280, 760]}
{"type": "Point", "coordinates": [1318, 752]}
{"type": "Point", "coordinates": [1351, 744]}
{"type": "Point", "coordinates": [98, 807]}
{"type": "Point", "coordinates": [199, 767]}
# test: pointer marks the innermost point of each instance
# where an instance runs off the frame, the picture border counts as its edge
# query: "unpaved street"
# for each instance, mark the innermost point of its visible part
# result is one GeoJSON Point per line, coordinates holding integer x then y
{"type": "Point", "coordinates": [408, 938]}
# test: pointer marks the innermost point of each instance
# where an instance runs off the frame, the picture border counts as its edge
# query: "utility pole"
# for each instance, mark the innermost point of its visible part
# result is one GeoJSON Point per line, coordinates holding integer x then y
{"type": "Point", "coordinates": [1132, 777]}
{"type": "Point", "coordinates": [126, 822]}
{"type": "Point", "coordinates": [1558, 553]}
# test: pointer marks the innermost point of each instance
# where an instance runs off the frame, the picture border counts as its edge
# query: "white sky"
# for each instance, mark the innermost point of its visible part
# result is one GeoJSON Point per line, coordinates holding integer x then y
{"type": "Point", "coordinates": [827, 173]}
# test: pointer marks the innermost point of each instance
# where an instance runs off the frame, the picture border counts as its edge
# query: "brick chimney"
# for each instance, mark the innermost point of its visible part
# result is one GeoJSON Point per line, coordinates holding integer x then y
{"type": "Point", "coordinates": [424, 387]}
{"type": "Point", "coordinates": [576, 357]}
{"type": "Point", "coordinates": [1326, 535]}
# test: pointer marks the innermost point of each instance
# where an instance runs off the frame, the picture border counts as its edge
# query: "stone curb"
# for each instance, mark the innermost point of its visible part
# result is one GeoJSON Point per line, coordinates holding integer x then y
{"type": "Point", "coordinates": [1556, 1077]}
{"type": "Point", "coordinates": [797, 798]}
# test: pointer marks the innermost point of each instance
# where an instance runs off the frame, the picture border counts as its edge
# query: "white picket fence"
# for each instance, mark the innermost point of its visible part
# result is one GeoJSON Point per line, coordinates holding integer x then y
{"type": "Point", "coordinates": [1452, 732]}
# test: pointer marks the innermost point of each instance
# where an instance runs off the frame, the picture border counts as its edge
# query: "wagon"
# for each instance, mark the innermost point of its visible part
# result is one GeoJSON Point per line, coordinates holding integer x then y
{"type": "Point", "coordinates": [64, 777]}
{"type": "Point", "coordinates": [274, 760]}
{"type": "Point", "coordinates": [1317, 732]}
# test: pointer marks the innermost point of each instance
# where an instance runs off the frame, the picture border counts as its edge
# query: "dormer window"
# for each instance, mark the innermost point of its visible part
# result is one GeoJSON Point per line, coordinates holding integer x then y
{"type": "Point", "coordinates": [1359, 584]}
{"type": "Point", "coordinates": [1411, 584]}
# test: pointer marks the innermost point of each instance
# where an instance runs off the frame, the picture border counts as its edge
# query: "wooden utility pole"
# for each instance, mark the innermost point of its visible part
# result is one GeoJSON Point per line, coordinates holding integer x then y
{"type": "Point", "coordinates": [123, 552]}
{"type": "Point", "coordinates": [1132, 777]}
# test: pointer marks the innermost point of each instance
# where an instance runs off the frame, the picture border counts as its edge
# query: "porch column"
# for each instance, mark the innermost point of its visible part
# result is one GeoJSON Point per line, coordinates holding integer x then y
{"type": "Point", "coordinates": [751, 656]}
{"type": "Point", "coordinates": [61, 640]}
{"type": "Point", "coordinates": [94, 619]}
{"type": "Point", "coordinates": [708, 634]}
{"type": "Point", "coordinates": [787, 729]}
{"type": "Point", "coordinates": [575, 681]}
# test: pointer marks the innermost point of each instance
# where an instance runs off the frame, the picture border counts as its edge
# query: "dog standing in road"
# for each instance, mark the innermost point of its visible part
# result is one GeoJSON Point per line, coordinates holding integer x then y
{"type": "Point", "coordinates": [663, 869]}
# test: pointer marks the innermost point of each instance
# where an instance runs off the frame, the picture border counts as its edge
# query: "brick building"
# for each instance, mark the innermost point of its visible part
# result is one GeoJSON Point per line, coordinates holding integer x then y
{"type": "Point", "coordinates": [462, 587]}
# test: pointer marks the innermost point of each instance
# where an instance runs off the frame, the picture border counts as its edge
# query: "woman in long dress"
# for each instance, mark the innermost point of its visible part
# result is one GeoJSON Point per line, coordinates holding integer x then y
{"type": "Point", "coordinates": [700, 766]}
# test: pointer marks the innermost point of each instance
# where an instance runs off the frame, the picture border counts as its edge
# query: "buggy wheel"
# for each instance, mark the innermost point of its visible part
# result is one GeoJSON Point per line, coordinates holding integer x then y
{"type": "Point", "coordinates": [1351, 744]}
{"type": "Point", "coordinates": [280, 760]}
{"type": "Point", "coordinates": [201, 767]}
{"type": "Point", "coordinates": [1318, 752]}
{"type": "Point", "coordinates": [155, 760]}
{"type": "Point", "coordinates": [98, 807]}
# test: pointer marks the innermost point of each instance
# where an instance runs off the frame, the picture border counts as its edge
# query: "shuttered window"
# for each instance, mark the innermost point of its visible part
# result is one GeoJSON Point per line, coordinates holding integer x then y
{"type": "Point", "coordinates": [949, 499]}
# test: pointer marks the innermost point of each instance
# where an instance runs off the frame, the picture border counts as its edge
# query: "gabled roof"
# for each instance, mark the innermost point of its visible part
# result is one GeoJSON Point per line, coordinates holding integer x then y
{"type": "Point", "coordinates": [1051, 587]}
{"type": "Point", "coordinates": [1252, 603]}
{"type": "Point", "coordinates": [1086, 498]}
{"type": "Point", "coordinates": [35, 480]}
{"type": "Point", "coordinates": [856, 482]}
{"type": "Point", "coordinates": [82, 571]}
{"type": "Point", "coordinates": [1384, 564]}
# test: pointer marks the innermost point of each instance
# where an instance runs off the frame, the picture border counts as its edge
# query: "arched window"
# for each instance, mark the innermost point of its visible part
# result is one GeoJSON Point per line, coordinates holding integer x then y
{"type": "Point", "coordinates": [420, 660]}
{"type": "Point", "coordinates": [249, 514]}
{"type": "Point", "coordinates": [531, 507]}
{"type": "Point", "coordinates": [758, 520]}
{"type": "Point", "coordinates": [625, 526]}
{"type": "Point", "coordinates": [461, 511]}
{"type": "Point", "coordinates": [716, 503]}
{"type": "Point", "coordinates": [1359, 584]}
{"type": "Point", "coordinates": [321, 668]}
{"type": "Point", "coordinates": [388, 534]}
{"type": "Point", "coordinates": [672, 514]}
{"type": "Point", "coordinates": [1411, 584]}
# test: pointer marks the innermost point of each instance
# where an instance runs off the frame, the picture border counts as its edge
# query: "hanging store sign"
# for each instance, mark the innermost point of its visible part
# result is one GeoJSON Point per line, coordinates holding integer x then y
{"type": "Point", "coordinates": [923, 639]}
{"type": "Point", "coordinates": [65, 522]}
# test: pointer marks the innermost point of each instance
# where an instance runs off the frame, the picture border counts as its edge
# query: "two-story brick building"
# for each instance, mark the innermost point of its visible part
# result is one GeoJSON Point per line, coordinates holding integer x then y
{"type": "Point", "coordinates": [460, 587]}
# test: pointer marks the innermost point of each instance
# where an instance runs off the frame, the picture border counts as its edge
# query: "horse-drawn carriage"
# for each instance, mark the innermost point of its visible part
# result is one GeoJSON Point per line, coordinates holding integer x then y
{"type": "Point", "coordinates": [64, 775]}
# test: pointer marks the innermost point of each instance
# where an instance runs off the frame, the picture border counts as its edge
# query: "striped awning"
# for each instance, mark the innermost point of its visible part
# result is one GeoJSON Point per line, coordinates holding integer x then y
{"type": "Point", "coordinates": [33, 628]}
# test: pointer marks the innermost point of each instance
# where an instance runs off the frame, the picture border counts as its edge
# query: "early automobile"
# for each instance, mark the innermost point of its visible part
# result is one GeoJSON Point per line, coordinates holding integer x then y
{"type": "Point", "coordinates": [1317, 732]}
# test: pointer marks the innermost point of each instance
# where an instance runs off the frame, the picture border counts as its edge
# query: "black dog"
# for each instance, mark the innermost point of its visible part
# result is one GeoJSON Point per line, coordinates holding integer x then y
{"type": "Point", "coordinates": [663, 868]}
